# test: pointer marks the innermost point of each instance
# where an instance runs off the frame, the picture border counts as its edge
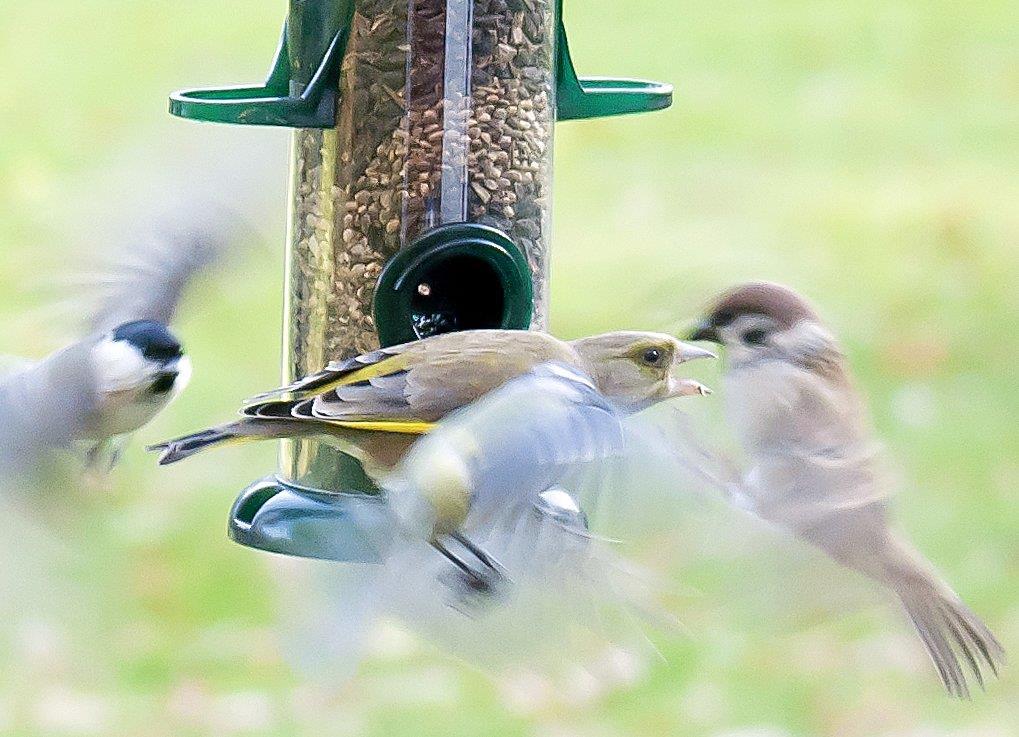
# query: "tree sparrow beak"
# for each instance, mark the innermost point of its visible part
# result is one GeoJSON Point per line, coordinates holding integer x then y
{"type": "Point", "coordinates": [705, 331]}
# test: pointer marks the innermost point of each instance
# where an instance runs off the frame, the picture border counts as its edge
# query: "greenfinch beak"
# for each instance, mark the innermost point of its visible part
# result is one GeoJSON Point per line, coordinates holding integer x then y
{"type": "Point", "coordinates": [689, 352]}
{"type": "Point", "coordinates": [688, 388]}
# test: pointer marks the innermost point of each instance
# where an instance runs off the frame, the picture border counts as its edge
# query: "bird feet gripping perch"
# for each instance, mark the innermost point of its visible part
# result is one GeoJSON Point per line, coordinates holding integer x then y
{"type": "Point", "coordinates": [468, 579]}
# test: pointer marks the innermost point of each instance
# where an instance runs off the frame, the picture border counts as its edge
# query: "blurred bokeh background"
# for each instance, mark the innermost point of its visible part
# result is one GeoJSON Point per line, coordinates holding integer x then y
{"type": "Point", "coordinates": [865, 152]}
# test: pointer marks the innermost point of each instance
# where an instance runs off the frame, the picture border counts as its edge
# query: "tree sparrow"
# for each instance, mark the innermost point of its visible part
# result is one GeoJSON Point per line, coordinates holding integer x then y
{"type": "Point", "coordinates": [815, 467]}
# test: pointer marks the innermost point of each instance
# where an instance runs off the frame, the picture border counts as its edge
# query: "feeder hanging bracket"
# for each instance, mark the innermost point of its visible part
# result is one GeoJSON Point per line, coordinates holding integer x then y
{"type": "Point", "coordinates": [285, 101]}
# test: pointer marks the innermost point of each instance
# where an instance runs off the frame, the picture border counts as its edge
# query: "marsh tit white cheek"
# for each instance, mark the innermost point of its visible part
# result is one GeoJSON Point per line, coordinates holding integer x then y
{"type": "Point", "coordinates": [119, 366]}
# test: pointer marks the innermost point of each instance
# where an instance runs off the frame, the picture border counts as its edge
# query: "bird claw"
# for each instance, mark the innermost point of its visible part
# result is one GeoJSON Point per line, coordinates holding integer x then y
{"type": "Point", "coordinates": [483, 557]}
{"type": "Point", "coordinates": [469, 585]}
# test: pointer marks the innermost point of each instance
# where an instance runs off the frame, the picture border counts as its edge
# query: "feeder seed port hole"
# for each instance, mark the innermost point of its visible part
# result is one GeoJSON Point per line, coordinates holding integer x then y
{"type": "Point", "coordinates": [461, 276]}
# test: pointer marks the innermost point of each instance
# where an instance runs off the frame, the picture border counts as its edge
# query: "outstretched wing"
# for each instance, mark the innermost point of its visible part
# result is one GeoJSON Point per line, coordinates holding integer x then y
{"type": "Point", "coordinates": [45, 406]}
{"type": "Point", "coordinates": [567, 601]}
{"type": "Point", "coordinates": [11, 365]}
{"type": "Point", "coordinates": [523, 438]}
{"type": "Point", "coordinates": [147, 280]}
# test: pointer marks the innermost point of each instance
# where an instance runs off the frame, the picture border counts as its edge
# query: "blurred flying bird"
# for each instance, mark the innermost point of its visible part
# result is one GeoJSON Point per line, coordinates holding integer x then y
{"type": "Point", "coordinates": [488, 552]}
{"type": "Point", "coordinates": [815, 467]}
{"type": "Point", "coordinates": [126, 244]}
{"type": "Point", "coordinates": [374, 406]}
{"type": "Point", "coordinates": [89, 396]}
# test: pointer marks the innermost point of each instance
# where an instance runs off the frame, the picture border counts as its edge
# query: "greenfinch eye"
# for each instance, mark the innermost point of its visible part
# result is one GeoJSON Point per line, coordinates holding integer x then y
{"type": "Point", "coordinates": [651, 356]}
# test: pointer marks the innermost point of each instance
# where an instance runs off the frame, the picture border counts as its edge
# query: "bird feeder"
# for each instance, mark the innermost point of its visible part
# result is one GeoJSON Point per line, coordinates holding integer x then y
{"type": "Point", "coordinates": [420, 200]}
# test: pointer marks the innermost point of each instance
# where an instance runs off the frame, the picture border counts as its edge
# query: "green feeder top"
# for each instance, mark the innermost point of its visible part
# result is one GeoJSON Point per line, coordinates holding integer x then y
{"type": "Point", "coordinates": [302, 87]}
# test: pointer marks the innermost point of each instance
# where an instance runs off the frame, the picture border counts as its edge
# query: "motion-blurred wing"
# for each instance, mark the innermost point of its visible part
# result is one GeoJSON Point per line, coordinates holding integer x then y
{"type": "Point", "coordinates": [523, 438]}
{"type": "Point", "coordinates": [44, 407]}
{"type": "Point", "coordinates": [11, 365]}
{"type": "Point", "coordinates": [566, 601]}
{"type": "Point", "coordinates": [147, 280]}
{"type": "Point", "coordinates": [569, 608]}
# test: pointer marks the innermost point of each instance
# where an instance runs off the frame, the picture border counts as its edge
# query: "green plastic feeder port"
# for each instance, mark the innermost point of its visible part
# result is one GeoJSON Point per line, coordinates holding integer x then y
{"type": "Point", "coordinates": [420, 203]}
{"type": "Point", "coordinates": [457, 277]}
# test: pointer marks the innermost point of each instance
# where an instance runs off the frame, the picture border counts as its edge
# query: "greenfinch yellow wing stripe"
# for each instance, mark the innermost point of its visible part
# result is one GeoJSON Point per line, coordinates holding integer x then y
{"type": "Point", "coordinates": [403, 427]}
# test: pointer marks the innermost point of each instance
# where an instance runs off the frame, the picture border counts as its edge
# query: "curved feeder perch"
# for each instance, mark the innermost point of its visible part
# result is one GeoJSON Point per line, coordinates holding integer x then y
{"type": "Point", "coordinates": [420, 203]}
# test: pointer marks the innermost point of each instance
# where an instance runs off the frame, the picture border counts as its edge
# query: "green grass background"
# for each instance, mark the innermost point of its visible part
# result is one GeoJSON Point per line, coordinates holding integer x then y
{"type": "Point", "coordinates": [865, 152]}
